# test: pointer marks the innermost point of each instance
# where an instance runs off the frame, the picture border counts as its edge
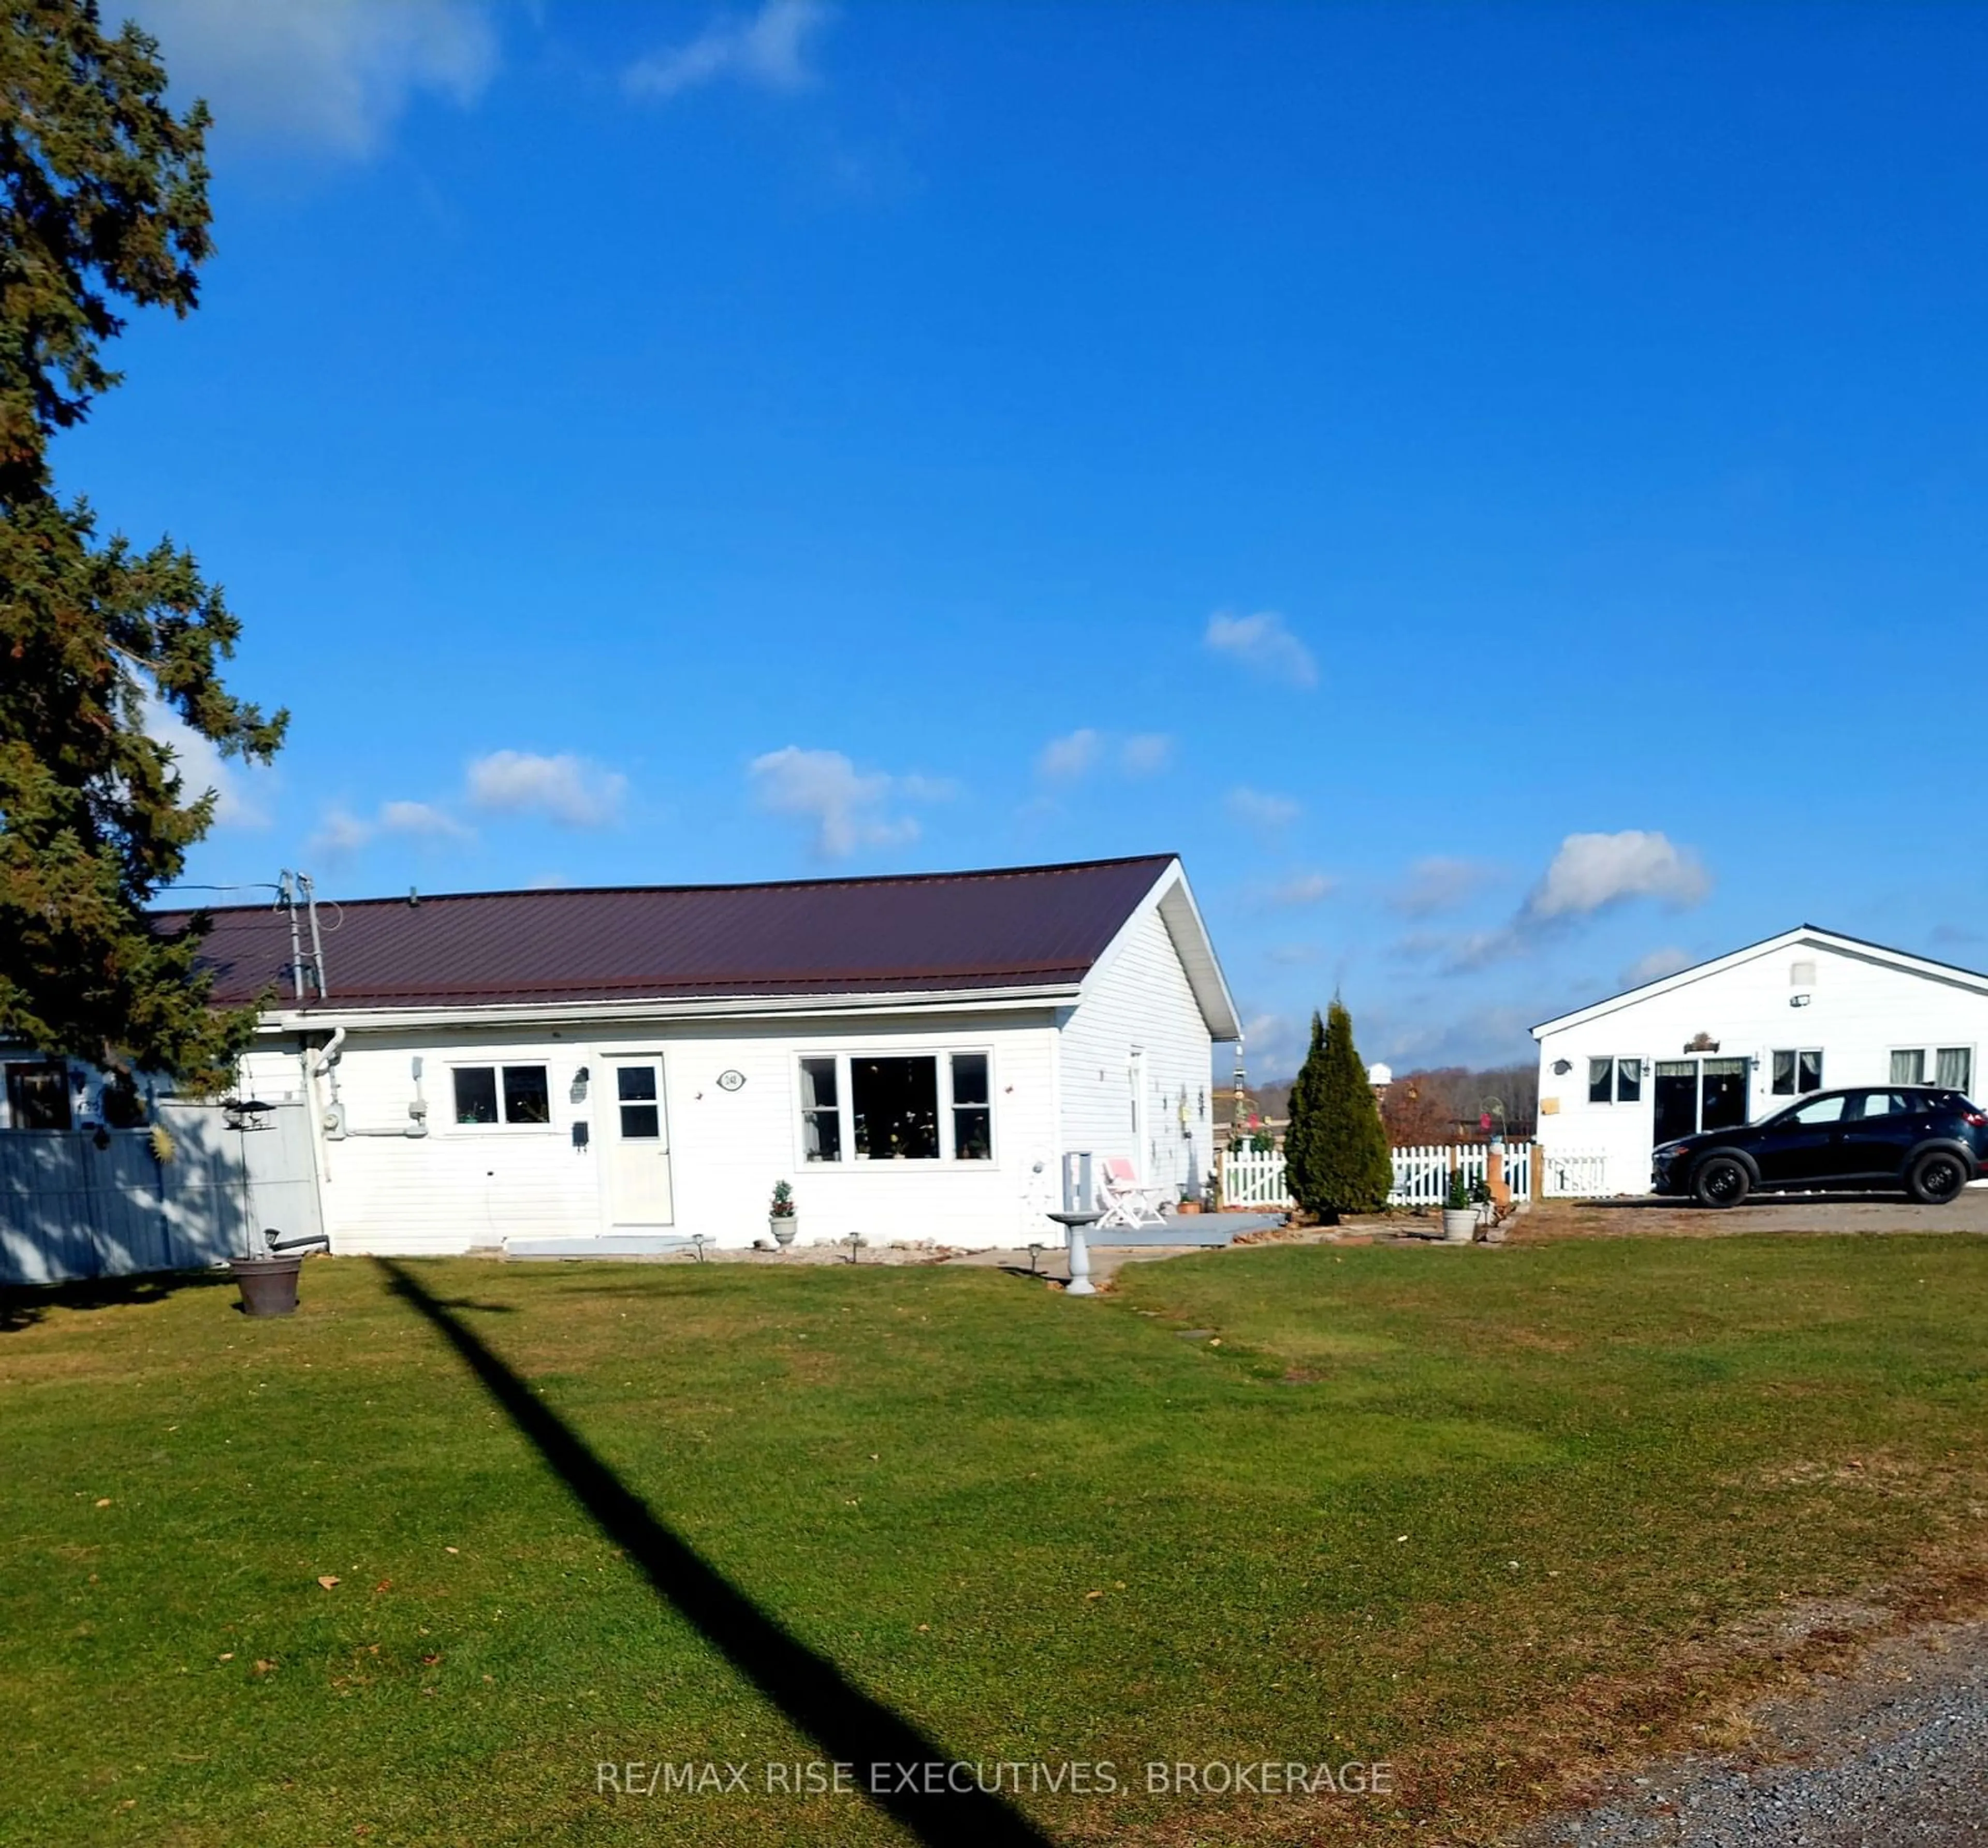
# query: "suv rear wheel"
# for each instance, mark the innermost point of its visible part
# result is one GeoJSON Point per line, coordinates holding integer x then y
{"type": "Point", "coordinates": [1936, 1178]}
{"type": "Point", "coordinates": [1720, 1182]}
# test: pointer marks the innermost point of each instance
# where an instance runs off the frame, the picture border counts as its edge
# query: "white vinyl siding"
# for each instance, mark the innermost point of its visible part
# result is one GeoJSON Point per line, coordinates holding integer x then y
{"type": "Point", "coordinates": [459, 1187]}
{"type": "Point", "coordinates": [1138, 1018]}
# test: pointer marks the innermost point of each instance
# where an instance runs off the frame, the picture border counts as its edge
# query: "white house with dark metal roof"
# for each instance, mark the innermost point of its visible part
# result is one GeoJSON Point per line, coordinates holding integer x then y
{"type": "Point", "coordinates": [1731, 1040]}
{"type": "Point", "coordinates": [583, 1072]}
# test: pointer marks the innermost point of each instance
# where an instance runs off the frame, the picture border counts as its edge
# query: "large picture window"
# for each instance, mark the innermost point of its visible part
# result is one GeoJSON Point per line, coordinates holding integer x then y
{"type": "Point", "coordinates": [914, 1107]}
{"type": "Point", "coordinates": [511, 1095]}
{"type": "Point", "coordinates": [895, 1104]}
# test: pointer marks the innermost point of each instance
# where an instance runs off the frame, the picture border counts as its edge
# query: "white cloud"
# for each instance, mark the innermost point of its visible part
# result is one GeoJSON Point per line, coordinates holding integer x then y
{"type": "Point", "coordinates": [1262, 643]}
{"type": "Point", "coordinates": [1077, 754]}
{"type": "Point", "coordinates": [1437, 883]}
{"type": "Point", "coordinates": [1299, 890]}
{"type": "Point", "coordinates": [1658, 964]}
{"type": "Point", "coordinates": [1063, 759]}
{"type": "Point", "coordinates": [333, 74]}
{"type": "Point", "coordinates": [1589, 873]}
{"type": "Point", "coordinates": [342, 833]}
{"type": "Point", "coordinates": [1478, 1037]}
{"type": "Point", "coordinates": [571, 790]}
{"type": "Point", "coordinates": [846, 807]}
{"type": "Point", "coordinates": [1276, 1044]}
{"type": "Point", "coordinates": [240, 790]}
{"type": "Point", "coordinates": [769, 50]}
{"type": "Point", "coordinates": [339, 835]}
{"type": "Point", "coordinates": [1256, 808]}
{"type": "Point", "coordinates": [1592, 871]}
{"type": "Point", "coordinates": [423, 820]}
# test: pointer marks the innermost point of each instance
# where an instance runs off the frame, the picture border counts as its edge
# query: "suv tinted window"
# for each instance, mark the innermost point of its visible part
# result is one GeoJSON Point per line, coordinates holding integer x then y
{"type": "Point", "coordinates": [1890, 1103]}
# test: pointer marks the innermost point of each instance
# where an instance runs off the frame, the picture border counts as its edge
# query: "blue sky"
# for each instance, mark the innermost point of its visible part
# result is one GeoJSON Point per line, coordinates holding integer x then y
{"type": "Point", "coordinates": [1501, 490]}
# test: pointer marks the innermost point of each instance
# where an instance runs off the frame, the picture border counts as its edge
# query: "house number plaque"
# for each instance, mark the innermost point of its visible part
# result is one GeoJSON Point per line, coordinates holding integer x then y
{"type": "Point", "coordinates": [731, 1081]}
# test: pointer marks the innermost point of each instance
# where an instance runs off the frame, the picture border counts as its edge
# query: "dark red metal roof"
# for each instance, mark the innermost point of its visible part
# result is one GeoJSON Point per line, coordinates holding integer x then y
{"type": "Point", "coordinates": [1026, 926]}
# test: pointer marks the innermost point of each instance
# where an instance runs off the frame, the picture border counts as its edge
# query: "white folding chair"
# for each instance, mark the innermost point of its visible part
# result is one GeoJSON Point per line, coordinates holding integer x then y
{"type": "Point", "coordinates": [1125, 1202]}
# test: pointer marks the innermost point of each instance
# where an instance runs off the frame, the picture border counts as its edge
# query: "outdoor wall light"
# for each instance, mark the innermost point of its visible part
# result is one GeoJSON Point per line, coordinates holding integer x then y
{"type": "Point", "coordinates": [1800, 1001]}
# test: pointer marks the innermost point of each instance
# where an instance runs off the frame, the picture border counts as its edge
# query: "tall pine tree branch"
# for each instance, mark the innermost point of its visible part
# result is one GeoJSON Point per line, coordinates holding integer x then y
{"type": "Point", "coordinates": [102, 204]}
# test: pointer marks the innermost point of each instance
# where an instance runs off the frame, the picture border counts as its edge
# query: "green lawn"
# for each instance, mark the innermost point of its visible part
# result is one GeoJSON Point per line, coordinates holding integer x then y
{"type": "Point", "coordinates": [1477, 1514]}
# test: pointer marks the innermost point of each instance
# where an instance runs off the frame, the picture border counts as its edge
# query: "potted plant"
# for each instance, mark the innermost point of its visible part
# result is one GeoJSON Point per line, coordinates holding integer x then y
{"type": "Point", "coordinates": [1190, 1201]}
{"type": "Point", "coordinates": [1459, 1216]}
{"type": "Point", "coordinates": [781, 1221]}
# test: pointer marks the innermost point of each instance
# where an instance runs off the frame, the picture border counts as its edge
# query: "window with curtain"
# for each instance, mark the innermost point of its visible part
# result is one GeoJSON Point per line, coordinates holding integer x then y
{"type": "Point", "coordinates": [1908, 1067]}
{"type": "Point", "coordinates": [1953, 1067]}
{"type": "Point", "coordinates": [1796, 1070]}
{"type": "Point", "coordinates": [821, 1116]}
{"type": "Point", "coordinates": [1615, 1081]}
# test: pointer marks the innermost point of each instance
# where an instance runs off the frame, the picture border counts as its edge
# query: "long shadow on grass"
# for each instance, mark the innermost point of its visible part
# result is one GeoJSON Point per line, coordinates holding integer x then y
{"type": "Point", "coordinates": [849, 1725]}
{"type": "Point", "coordinates": [22, 1305]}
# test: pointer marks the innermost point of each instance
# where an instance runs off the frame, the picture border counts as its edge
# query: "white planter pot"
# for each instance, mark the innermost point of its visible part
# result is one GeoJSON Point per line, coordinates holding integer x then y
{"type": "Point", "coordinates": [1459, 1228]}
{"type": "Point", "coordinates": [783, 1227]}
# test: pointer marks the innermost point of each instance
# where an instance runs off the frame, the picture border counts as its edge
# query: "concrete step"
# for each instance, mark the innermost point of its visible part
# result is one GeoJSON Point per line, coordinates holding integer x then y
{"type": "Point", "coordinates": [606, 1244]}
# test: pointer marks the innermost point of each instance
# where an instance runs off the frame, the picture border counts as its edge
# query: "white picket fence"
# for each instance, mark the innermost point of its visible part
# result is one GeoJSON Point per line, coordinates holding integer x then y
{"type": "Point", "coordinates": [1253, 1178]}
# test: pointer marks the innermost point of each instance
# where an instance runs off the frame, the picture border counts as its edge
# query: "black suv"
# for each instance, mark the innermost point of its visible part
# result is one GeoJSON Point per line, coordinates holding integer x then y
{"type": "Point", "coordinates": [1931, 1142]}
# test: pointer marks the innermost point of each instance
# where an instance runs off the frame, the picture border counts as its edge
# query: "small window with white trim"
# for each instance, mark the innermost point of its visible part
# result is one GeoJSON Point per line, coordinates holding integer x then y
{"type": "Point", "coordinates": [972, 1109]}
{"type": "Point", "coordinates": [821, 1116]}
{"type": "Point", "coordinates": [1951, 1068]}
{"type": "Point", "coordinates": [1614, 1081]}
{"type": "Point", "coordinates": [495, 1095]}
{"type": "Point", "coordinates": [1795, 1072]}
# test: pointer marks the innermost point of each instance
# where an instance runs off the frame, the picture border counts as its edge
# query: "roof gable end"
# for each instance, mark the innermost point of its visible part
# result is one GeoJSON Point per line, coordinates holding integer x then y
{"type": "Point", "coordinates": [1802, 937]}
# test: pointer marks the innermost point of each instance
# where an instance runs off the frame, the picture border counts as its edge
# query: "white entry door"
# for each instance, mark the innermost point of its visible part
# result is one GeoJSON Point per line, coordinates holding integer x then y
{"type": "Point", "coordinates": [638, 1145]}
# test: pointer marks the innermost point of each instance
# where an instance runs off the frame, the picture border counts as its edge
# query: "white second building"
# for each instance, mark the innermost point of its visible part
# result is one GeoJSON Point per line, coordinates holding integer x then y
{"type": "Point", "coordinates": [1730, 1040]}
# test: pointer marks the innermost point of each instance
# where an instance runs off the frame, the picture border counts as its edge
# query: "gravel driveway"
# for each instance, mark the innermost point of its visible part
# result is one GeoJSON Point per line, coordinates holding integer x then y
{"type": "Point", "coordinates": [1649, 1217]}
{"type": "Point", "coordinates": [1895, 1753]}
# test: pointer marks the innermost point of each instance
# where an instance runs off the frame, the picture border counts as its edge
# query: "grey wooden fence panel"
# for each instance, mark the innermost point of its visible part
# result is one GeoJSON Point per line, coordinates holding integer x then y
{"type": "Point", "coordinates": [69, 1210]}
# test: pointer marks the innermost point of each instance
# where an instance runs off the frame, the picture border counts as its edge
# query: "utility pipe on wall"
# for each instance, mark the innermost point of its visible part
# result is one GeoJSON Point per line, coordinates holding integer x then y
{"type": "Point", "coordinates": [335, 1127]}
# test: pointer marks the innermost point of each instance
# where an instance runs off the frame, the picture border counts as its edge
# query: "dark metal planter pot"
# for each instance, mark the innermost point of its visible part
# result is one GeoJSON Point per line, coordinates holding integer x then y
{"type": "Point", "coordinates": [268, 1284]}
